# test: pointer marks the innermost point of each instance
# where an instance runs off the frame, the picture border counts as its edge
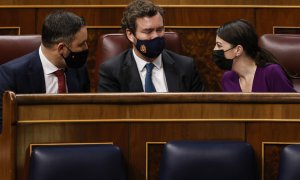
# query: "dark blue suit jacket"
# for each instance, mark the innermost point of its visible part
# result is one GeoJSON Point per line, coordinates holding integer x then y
{"type": "Point", "coordinates": [120, 74]}
{"type": "Point", "coordinates": [25, 75]}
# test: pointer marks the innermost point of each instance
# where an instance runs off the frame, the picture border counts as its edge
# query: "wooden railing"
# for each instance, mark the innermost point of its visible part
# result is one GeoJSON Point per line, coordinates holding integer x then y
{"type": "Point", "coordinates": [141, 123]}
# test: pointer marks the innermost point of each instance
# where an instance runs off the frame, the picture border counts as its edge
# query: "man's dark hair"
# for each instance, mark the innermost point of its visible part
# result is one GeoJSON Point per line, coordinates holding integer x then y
{"type": "Point", "coordinates": [138, 9]}
{"type": "Point", "coordinates": [60, 26]}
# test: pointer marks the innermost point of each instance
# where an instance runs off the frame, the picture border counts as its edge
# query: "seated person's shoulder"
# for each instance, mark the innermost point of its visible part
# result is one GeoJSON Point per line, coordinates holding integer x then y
{"type": "Point", "coordinates": [273, 67]}
{"type": "Point", "coordinates": [116, 60]}
{"type": "Point", "coordinates": [178, 58]}
{"type": "Point", "coordinates": [229, 75]}
{"type": "Point", "coordinates": [20, 61]}
{"type": "Point", "coordinates": [272, 70]}
{"type": "Point", "coordinates": [176, 55]}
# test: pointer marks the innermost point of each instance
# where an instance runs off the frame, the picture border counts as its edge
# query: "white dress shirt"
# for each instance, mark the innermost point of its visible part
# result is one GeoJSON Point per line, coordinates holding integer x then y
{"type": "Point", "coordinates": [51, 80]}
{"type": "Point", "coordinates": [158, 74]}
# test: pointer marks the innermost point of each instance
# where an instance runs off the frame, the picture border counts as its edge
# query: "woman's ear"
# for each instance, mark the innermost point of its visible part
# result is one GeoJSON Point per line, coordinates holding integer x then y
{"type": "Point", "coordinates": [239, 50]}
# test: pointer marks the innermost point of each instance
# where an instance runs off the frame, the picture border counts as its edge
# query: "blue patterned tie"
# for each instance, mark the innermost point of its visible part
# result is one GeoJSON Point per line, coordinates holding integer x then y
{"type": "Point", "coordinates": [149, 87]}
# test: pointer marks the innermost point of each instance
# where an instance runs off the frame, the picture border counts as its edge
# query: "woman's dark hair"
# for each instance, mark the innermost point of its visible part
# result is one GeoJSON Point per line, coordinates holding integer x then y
{"type": "Point", "coordinates": [138, 9]}
{"type": "Point", "coordinates": [241, 32]}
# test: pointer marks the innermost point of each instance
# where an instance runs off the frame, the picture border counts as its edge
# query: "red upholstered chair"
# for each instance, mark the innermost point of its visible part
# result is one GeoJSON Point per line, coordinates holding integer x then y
{"type": "Point", "coordinates": [15, 46]}
{"type": "Point", "coordinates": [110, 45]}
{"type": "Point", "coordinates": [286, 48]}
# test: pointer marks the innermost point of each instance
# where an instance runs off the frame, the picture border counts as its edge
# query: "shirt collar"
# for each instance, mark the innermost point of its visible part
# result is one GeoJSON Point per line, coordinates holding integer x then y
{"type": "Point", "coordinates": [48, 67]}
{"type": "Point", "coordinates": [141, 63]}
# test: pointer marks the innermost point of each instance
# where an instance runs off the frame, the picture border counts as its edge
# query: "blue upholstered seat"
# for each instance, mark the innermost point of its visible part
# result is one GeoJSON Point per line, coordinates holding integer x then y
{"type": "Point", "coordinates": [77, 162]}
{"type": "Point", "coordinates": [196, 160]}
{"type": "Point", "coordinates": [290, 163]}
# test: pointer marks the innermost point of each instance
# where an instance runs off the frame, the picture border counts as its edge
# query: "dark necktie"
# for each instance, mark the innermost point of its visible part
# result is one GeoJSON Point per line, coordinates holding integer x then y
{"type": "Point", "coordinates": [149, 87]}
{"type": "Point", "coordinates": [60, 74]}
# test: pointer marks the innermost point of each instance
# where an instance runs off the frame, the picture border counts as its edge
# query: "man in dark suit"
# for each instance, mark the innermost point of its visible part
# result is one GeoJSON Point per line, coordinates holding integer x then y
{"type": "Point", "coordinates": [147, 66]}
{"type": "Point", "coordinates": [58, 66]}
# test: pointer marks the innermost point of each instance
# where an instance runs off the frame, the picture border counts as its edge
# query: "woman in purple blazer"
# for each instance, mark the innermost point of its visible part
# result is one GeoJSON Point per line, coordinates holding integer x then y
{"type": "Point", "coordinates": [250, 68]}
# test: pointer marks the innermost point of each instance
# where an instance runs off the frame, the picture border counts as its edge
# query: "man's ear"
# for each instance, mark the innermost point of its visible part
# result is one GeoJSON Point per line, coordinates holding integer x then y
{"type": "Point", "coordinates": [60, 47]}
{"type": "Point", "coordinates": [130, 35]}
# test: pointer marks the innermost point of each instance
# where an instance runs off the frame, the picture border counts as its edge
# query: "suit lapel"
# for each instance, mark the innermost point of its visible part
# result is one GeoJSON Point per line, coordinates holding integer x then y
{"type": "Point", "coordinates": [36, 74]}
{"type": "Point", "coordinates": [171, 73]}
{"type": "Point", "coordinates": [71, 77]}
{"type": "Point", "coordinates": [130, 75]}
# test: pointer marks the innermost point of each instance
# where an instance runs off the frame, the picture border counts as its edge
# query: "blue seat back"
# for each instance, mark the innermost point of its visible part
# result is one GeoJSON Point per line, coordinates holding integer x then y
{"type": "Point", "coordinates": [290, 163]}
{"type": "Point", "coordinates": [196, 160]}
{"type": "Point", "coordinates": [77, 162]}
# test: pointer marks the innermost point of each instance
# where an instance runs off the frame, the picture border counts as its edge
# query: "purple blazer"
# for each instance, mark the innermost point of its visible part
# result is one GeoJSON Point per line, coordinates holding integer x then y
{"type": "Point", "coordinates": [270, 78]}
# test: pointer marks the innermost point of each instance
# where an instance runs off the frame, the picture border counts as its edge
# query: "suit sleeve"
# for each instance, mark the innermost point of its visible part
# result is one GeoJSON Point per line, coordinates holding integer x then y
{"type": "Point", "coordinates": [107, 81]}
{"type": "Point", "coordinates": [197, 85]}
{"type": "Point", "coordinates": [86, 81]}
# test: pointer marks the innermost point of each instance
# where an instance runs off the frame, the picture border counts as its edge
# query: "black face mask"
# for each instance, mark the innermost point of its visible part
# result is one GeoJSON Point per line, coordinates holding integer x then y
{"type": "Point", "coordinates": [221, 61]}
{"type": "Point", "coordinates": [150, 48]}
{"type": "Point", "coordinates": [76, 59]}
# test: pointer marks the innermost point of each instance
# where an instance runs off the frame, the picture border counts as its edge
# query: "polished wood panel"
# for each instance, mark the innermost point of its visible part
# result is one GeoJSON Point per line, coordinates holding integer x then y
{"type": "Point", "coordinates": [197, 16]}
{"type": "Point", "coordinates": [286, 30]}
{"type": "Point", "coordinates": [266, 19]}
{"type": "Point", "coordinates": [277, 133]}
{"type": "Point", "coordinates": [22, 18]}
{"type": "Point", "coordinates": [9, 30]}
{"type": "Point", "coordinates": [271, 164]}
{"type": "Point", "coordinates": [109, 16]}
{"type": "Point", "coordinates": [138, 121]}
{"type": "Point", "coordinates": [162, 2]}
